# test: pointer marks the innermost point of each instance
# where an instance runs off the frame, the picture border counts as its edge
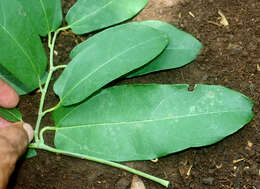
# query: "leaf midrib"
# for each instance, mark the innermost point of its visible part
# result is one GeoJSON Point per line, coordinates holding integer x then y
{"type": "Point", "coordinates": [45, 15]}
{"type": "Point", "coordinates": [88, 15]}
{"type": "Point", "coordinates": [21, 48]}
{"type": "Point", "coordinates": [148, 120]}
{"type": "Point", "coordinates": [107, 62]}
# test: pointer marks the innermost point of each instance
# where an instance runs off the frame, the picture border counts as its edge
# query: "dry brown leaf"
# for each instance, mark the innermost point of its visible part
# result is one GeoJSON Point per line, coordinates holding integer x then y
{"type": "Point", "coordinates": [190, 13]}
{"type": "Point", "coordinates": [155, 160]}
{"type": "Point", "coordinates": [258, 67]}
{"type": "Point", "coordinates": [223, 20]}
{"type": "Point", "coordinates": [249, 144]}
{"type": "Point", "coordinates": [215, 23]}
{"type": "Point", "coordinates": [137, 183]}
{"type": "Point", "coordinates": [238, 160]}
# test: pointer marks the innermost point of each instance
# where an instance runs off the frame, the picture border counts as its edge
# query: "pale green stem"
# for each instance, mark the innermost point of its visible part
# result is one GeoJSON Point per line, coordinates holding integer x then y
{"type": "Point", "coordinates": [49, 40]}
{"type": "Point", "coordinates": [51, 109]}
{"type": "Point", "coordinates": [64, 28]}
{"type": "Point", "coordinates": [59, 67]}
{"type": "Point", "coordinates": [40, 85]}
{"type": "Point", "coordinates": [98, 160]}
{"type": "Point", "coordinates": [44, 90]}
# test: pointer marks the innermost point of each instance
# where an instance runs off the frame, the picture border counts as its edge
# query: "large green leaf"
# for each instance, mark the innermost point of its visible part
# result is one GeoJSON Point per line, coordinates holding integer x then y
{"type": "Point", "coordinates": [182, 49]}
{"type": "Point", "coordinates": [45, 15]}
{"type": "Point", "coordinates": [21, 52]}
{"type": "Point", "coordinates": [12, 115]}
{"type": "Point", "coordinates": [90, 15]}
{"type": "Point", "coordinates": [107, 56]}
{"type": "Point", "coordinates": [140, 122]}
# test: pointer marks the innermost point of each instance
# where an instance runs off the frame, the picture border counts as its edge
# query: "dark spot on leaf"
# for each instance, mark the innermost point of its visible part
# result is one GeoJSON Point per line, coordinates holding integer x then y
{"type": "Point", "coordinates": [191, 87]}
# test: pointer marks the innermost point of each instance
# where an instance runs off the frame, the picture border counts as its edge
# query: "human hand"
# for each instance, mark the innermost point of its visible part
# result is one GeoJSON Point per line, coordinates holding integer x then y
{"type": "Point", "coordinates": [14, 137]}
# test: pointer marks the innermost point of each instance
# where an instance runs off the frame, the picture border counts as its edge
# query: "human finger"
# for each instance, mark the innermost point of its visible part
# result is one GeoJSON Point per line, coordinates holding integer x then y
{"type": "Point", "coordinates": [8, 96]}
{"type": "Point", "coordinates": [13, 142]}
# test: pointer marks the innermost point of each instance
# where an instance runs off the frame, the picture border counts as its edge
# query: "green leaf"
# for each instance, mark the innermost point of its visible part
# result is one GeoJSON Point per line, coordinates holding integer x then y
{"type": "Point", "coordinates": [45, 15]}
{"type": "Point", "coordinates": [12, 115]}
{"type": "Point", "coordinates": [90, 15]}
{"type": "Point", "coordinates": [107, 56]}
{"type": "Point", "coordinates": [143, 122]}
{"type": "Point", "coordinates": [19, 87]}
{"type": "Point", "coordinates": [21, 52]}
{"type": "Point", "coordinates": [30, 153]}
{"type": "Point", "coordinates": [182, 49]}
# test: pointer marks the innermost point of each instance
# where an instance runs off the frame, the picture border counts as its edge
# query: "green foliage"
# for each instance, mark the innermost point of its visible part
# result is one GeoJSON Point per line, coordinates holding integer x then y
{"type": "Point", "coordinates": [110, 54]}
{"type": "Point", "coordinates": [12, 115]}
{"type": "Point", "coordinates": [182, 49]}
{"type": "Point", "coordinates": [90, 15]}
{"type": "Point", "coordinates": [123, 123]}
{"type": "Point", "coordinates": [22, 59]}
{"type": "Point", "coordinates": [30, 153]}
{"type": "Point", "coordinates": [144, 122]}
{"type": "Point", "coordinates": [45, 15]}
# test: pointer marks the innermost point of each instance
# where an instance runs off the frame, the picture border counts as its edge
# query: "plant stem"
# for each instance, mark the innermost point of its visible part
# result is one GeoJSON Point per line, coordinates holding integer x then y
{"type": "Point", "coordinates": [98, 160]}
{"type": "Point", "coordinates": [45, 88]}
{"type": "Point", "coordinates": [39, 140]}
{"type": "Point", "coordinates": [49, 40]}
{"type": "Point", "coordinates": [51, 109]}
{"type": "Point", "coordinates": [63, 28]}
{"type": "Point", "coordinates": [59, 67]}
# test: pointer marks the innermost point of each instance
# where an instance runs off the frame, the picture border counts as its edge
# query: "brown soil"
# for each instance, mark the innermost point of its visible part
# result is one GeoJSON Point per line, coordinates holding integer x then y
{"type": "Point", "coordinates": [231, 57]}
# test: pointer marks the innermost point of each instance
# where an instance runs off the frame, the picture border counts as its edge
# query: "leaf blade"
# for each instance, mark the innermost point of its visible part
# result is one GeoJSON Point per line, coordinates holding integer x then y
{"type": "Point", "coordinates": [45, 15]}
{"type": "Point", "coordinates": [146, 122]}
{"type": "Point", "coordinates": [182, 49]}
{"type": "Point", "coordinates": [12, 115]}
{"type": "Point", "coordinates": [90, 15]}
{"type": "Point", "coordinates": [110, 54]}
{"type": "Point", "coordinates": [25, 60]}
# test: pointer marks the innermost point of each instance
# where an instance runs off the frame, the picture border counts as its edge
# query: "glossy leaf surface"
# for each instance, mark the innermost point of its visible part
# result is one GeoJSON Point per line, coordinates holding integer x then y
{"type": "Point", "coordinates": [182, 49]}
{"type": "Point", "coordinates": [12, 115]}
{"type": "Point", "coordinates": [142, 122]}
{"type": "Point", "coordinates": [45, 15]}
{"type": "Point", "coordinates": [107, 56]}
{"type": "Point", "coordinates": [90, 15]}
{"type": "Point", "coordinates": [22, 55]}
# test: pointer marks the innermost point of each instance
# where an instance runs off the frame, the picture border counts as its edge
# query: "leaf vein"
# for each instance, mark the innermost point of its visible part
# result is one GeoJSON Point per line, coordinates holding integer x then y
{"type": "Point", "coordinates": [147, 121]}
{"type": "Point", "coordinates": [107, 62]}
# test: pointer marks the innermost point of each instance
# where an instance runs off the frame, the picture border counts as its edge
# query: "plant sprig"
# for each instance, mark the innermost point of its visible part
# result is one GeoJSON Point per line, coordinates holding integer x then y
{"type": "Point", "coordinates": [120, 123]}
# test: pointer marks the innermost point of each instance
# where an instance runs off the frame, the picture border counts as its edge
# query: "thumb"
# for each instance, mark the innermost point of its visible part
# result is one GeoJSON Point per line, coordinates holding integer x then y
{"type": "Point", "coordinates": [13, 143]}
{"type": "Point", "coordinates": [18, 135]}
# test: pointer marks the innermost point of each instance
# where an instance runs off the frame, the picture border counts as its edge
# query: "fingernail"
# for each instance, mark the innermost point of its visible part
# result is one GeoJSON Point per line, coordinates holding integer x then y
{"type": "Point", "coordinates": [29, 131]}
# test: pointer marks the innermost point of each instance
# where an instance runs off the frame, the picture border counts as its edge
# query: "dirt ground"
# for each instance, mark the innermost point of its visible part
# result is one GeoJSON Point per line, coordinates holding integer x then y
{"type": "Point", "coordinates": [231, 57]}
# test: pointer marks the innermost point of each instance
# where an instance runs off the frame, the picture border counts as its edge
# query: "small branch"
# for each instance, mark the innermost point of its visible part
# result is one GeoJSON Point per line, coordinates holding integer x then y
{"type": "Point", "coordinates": [46, 129]}
{"type": "Point", "coordinates": [49, 40]}
{"type": "Point", "coordinates": [45, 89]}
{"type": "Point", "coordinates": [59, 67]}
{"type": "Point", "coordinates": [51, 109]}
{"type": "Point", "coordinates": [40, 85]}
{"type": "Point", "coordinates": [98, 160]}
{"type": "Point", "coordinates": [64, 28]}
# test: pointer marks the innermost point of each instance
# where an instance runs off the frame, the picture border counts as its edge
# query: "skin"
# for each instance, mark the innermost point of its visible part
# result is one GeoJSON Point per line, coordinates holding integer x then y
{"type": "Point", "coordinates": [14, 137]}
